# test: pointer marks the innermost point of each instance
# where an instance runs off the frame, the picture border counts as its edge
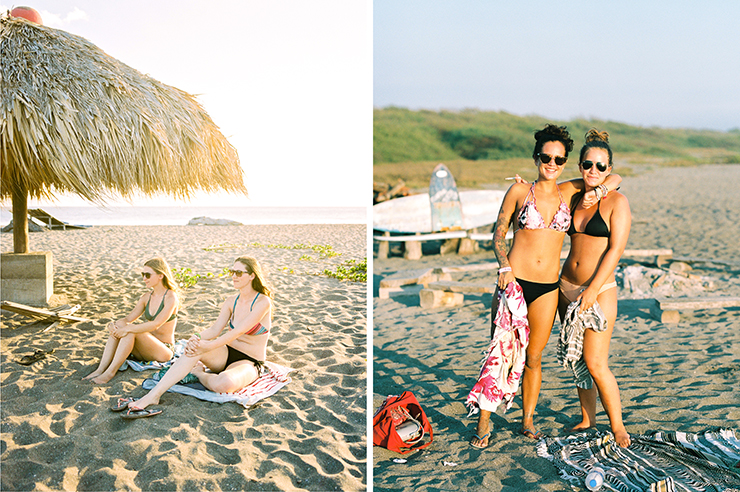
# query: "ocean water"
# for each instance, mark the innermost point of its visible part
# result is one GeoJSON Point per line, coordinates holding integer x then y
{"type": "Point", "coordinates": [181, 215]}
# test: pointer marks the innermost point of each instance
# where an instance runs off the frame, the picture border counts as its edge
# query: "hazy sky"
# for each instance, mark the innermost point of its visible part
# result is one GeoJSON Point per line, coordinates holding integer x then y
{"type": "Point", "coordinates": [289, 82]}
{"type": "Point", "coordinates": [650, 63]}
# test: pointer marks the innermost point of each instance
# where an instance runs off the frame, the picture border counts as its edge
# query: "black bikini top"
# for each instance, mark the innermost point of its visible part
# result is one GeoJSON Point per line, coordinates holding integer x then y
{"type": "Point", "coordinates": [595, 227]}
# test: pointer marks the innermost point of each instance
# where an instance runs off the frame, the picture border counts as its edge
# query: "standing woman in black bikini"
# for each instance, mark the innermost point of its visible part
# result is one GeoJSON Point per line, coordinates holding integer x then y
{"type": "Point", "coordinates": [235, 359]}
{"type": "Point", "coordinates": [541, 217]}
{"type": "Point", "coordinates": [598, 238]}
{"type": "Point", "coordinates": [151, 340]}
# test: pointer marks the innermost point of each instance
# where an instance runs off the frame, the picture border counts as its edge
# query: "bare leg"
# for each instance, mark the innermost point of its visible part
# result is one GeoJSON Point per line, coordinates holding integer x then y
{"type": "Point", "coordinates": [106, 358]}
{"type": "Point", "coordinates": [233, 378]}
{"type": "Point", "coordinates": [482, 430]}
{"type": "Point", "coordinates": [586, 397]}
{"type": "Point", "coordinates": [541, 315]}
{"type": "Point", "coordinates": [123, 350]}
{"type": "Point", "coordinates": [182, 366]}
{"type": "Point", "coordinates": [596, 355]}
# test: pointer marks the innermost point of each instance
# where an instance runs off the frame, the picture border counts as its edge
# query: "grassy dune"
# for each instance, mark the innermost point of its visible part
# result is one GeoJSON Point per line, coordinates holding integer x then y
{"type": "Point", "coordinates": [483, 147]}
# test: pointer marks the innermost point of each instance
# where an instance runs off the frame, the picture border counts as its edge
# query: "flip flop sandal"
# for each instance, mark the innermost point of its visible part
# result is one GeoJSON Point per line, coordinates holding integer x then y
{"type": "Point", "coordinates": [140, 413]}
{"type": "Point", "coordinates": [534, 435]}
{"type": "Point", "coordinates": [121, 404]}
{"type": "Point", "coordinates": [38, 355]}
{"type": "Point", "coordinates": [480, 439]}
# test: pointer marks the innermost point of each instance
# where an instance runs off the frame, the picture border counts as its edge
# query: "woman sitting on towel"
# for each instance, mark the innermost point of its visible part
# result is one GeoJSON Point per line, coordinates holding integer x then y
{"type": "Point", "coordinates": [229, 355]}
{"type": "Point", "coordinates": [541, 218]}
{"type": "Point", "coordinates": [151, 340]}
{"type": "Point", "coordinates": [598, 237]}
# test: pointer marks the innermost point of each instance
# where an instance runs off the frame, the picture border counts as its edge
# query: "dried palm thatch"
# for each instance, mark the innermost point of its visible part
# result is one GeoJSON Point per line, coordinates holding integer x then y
{"type": "Point", "coordinates": [74, 119]}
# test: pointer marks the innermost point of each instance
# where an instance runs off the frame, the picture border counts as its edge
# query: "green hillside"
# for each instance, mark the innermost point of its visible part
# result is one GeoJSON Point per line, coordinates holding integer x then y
{"type": "Point", "coordinates": [483, 147]}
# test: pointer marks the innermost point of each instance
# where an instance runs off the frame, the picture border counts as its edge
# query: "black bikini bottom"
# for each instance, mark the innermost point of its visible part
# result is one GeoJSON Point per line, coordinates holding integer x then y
{"type": "Point", "coordinates": [235, 356]}
{"type": "Point", "coordinates": [533, 290]}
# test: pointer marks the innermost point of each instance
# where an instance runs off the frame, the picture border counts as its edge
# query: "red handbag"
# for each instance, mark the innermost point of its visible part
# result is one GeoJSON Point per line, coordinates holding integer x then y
{"type": "Point", "coordinates": [400, 424]}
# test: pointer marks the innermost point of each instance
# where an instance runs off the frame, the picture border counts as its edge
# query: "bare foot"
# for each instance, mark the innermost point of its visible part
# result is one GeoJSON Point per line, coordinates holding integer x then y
{"type": "Point", "coordinates": [102, 379]}
{"type": "Point", "coordinates": [622, 438]}
{"type": "Point", "coordinates": [199, 369]}
{"type": "Point", "coordinates": [531, 433]}
{"type": "Point", "coordinates": [583, 426]}
{"type": "Point", "coordinates": [480, 439]}
{"type": "Point", "coordinates": [93, 374]}
{"type": "Point", "coordinates": [143, 402]}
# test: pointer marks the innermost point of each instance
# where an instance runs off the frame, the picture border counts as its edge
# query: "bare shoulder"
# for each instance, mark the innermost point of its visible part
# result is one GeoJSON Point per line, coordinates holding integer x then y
{"type": "Point", "coordinates": [619, 199]}
{"type": "Point", "coordinates": [229, 301]}
{"type": "Point", "coordinates": [518, 190]}
{"type": "Point", "coordinates": [264, 300]}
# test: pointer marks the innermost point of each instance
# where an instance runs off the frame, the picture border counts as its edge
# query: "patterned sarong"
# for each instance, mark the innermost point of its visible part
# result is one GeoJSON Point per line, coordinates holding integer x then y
{"type": "Point", "coordinates": [570, 344]}
{"type": "Point", "coordinates": [503, 364]}
{"type": "Point", "coordinates": [661, 461]}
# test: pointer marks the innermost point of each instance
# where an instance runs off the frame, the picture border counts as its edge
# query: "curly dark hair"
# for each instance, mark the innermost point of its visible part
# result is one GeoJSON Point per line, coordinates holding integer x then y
{"type": "Point", "coordinates": [596, 139]}
{"type": "Point", "coordinates": [552, 133]}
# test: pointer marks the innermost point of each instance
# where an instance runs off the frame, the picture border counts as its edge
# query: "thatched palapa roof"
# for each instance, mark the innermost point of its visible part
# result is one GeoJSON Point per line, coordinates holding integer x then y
{"type": "Point", "coordinates": [74, 119]}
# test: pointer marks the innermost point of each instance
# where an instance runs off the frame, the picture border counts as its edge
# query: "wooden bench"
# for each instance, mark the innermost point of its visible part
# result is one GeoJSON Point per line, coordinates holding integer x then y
{"type": "Point", "coordinates": [412, 242]}
{"type": "Point", "coordinates": [666, 309]}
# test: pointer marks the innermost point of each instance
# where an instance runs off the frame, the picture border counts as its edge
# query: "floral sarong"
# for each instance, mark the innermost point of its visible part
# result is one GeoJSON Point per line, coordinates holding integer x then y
{"type": "Point", "coordinates": [503, 364]}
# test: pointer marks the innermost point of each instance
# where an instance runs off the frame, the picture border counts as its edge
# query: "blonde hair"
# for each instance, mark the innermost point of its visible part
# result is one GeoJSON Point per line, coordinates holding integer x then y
{"type": "Point", "coordinates": [160, 266]}
{"type": "Point", "coordinates": [259, 283]}
{"type": "Point", "coordinates": [599, 140]}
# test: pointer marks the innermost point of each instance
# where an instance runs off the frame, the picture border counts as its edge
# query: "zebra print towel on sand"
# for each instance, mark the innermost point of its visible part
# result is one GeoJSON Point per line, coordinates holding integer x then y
{"type": "Point", "coordinates": [661, 461]}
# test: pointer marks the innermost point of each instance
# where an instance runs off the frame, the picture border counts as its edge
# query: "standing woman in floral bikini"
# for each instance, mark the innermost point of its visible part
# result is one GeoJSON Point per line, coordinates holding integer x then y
{"type": "Point", "coordinates": [541, 218]}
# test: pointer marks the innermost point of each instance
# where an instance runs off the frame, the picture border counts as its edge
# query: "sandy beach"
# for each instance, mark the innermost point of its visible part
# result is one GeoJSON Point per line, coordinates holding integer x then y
{"type": "Point", "coordinates": [672, 377]}
{"type": "Point", "coordinates": [57, 430]}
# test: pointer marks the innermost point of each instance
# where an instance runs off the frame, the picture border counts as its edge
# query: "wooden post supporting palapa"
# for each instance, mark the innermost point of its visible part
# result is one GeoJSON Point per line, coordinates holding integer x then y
{"type": "Point", "coordinates": [20, 219]}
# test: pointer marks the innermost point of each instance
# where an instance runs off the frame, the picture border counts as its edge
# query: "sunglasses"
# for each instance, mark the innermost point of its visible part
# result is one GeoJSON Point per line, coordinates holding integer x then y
{"type": "Point", "coordinates": [599, 165]}
{"type": "Point", "coordinates": [238, 273]}
{"type": "Point", "coordinates": [546, 158]}
{"type": "Point", "coordinates": [146, 275]}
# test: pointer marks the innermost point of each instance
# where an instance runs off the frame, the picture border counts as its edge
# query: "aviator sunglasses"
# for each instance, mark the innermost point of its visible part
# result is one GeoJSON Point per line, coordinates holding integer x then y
{"type": "Point", "coordinates": [599, 165]}
{"type": "Point", "coordinates": [546, 158]}
{"type": "Point", "coordinates": [238, 273]}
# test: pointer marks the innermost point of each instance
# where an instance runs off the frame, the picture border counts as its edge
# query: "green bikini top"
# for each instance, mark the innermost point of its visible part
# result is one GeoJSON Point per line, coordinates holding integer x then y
{"type": "Point", "coordinates": [150, 317]}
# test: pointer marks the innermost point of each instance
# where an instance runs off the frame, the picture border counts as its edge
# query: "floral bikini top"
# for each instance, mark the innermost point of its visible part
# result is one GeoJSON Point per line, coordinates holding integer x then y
{"type": "Point", "coordinates": [257, 329]}
{"type": "Point", "coordinates": [531, 218]}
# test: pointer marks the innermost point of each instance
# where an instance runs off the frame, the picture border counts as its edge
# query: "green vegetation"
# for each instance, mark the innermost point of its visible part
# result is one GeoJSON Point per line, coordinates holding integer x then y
{"type": "Point", "coordinates": [186, 278]}
{"type": "Point", "coordinates": [349, 270]}
{"type": "Point", "coordinates": [325, 251]}
{"type": "Point", "coordinates": [484, 147]}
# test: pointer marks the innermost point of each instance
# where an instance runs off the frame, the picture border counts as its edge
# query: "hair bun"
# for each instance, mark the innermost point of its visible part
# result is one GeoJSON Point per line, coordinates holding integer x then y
{"type": "Point", "coordinates": [595, 135]}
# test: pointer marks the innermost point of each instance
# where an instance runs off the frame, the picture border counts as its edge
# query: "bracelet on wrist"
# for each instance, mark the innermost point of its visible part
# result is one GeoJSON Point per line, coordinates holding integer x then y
{"type": "Point", "coordinates": [504, 269]}
{"type": "Point", "coordinates": [604, 190]}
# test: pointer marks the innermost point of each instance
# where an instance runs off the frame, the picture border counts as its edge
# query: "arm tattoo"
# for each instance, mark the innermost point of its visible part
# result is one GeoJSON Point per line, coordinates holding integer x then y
{"type": "Point", "coordinates": [499, 239]}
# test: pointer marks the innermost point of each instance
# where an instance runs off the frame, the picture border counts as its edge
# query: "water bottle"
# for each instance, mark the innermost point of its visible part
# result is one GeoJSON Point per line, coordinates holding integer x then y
{"type": "Point", "coordinates": [595, 479]}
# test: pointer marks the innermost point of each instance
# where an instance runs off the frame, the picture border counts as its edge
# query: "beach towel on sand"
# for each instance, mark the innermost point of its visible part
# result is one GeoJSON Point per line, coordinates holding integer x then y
{"type": "Point", "coordinates": [503, 364]}
{"type": "Point", "coordinates": [661, 461]}
{"type": "Point", "coordinates": [266, 385]}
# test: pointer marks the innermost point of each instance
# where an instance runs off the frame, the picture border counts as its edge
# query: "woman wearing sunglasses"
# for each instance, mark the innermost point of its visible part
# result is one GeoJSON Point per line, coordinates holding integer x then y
{"type": "Point", "coordinates": [230, 354]}
{"type": "Point", "coordinates": [541, 218]}
{"type": "Point", "coordinates": [151, 340]}
{"type": "Point", "coordinates": [598, 237]}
